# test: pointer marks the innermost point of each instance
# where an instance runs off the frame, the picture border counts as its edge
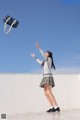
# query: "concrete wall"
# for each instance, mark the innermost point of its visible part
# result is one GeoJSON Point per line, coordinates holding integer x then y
{"type": "Point", "coordinates": [20, 93]}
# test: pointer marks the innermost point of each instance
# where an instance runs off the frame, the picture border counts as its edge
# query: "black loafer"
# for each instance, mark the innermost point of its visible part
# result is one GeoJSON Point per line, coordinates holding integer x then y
{"type": "Point", "coordinates": [50, 110]}
{"type": "Point", "coordinates": [56, 110]}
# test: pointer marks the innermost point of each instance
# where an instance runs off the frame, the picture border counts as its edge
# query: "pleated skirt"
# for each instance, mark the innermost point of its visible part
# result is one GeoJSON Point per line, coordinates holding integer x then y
{"type": "Point", "coordinates": [47, 80]}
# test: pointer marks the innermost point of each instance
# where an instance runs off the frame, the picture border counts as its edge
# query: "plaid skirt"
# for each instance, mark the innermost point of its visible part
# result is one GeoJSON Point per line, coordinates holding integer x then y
{"type": "Point", "coordinates": [47, 80]}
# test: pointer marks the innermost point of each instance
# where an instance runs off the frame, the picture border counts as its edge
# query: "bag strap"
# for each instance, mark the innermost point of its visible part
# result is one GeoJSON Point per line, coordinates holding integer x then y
{"type": "Point", "coordinates": [5, 25]}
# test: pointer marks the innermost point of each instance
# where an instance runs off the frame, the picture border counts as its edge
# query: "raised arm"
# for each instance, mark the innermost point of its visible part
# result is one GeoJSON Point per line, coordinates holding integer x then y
{"type": "Point", "coordinates": [39, 61]}
{"type": "Point", "coordinates": [41, 51]}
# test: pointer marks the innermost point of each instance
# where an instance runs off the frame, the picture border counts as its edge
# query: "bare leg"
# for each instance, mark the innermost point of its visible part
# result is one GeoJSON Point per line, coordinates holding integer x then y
{"type": "Point", "coordinates": [50, 96]}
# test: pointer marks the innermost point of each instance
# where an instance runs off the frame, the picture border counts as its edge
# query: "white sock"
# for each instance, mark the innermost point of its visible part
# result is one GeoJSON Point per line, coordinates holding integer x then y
{"type": "Point", "coordinates": [51, 107]}
{"type": "Point", "coordinates": [55, 107]}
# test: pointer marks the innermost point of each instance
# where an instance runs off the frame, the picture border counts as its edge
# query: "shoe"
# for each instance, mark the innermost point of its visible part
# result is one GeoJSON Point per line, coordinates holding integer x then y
{"type": "Point", "coordinates": [50, 110]}
{"type": "Point", "coordinates": [56, 110]}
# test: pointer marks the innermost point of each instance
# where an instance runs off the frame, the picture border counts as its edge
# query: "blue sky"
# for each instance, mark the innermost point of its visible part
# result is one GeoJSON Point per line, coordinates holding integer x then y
{"type": "Point", "coordinates": [54, 24]}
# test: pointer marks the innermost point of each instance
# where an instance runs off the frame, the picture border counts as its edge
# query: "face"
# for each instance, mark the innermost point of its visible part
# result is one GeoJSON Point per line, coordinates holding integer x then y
{"type": "Point", "coordinates": [46, 54]}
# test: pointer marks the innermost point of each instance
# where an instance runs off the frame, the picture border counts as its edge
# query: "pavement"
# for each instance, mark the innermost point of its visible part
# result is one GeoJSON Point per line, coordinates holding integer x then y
{"type": "Point", "coordinates": [62, 115]}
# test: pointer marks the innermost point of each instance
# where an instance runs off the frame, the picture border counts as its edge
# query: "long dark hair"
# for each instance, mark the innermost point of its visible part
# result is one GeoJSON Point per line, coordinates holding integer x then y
{"type": "Point", "coordinates": [50, 55]}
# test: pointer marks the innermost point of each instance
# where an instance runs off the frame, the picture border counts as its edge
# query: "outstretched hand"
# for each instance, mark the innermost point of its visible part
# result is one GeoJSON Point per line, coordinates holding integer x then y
{"type": "Point", "coordinates": [37, 45]}
{"type": "Point", "coordinates": [33, 55]}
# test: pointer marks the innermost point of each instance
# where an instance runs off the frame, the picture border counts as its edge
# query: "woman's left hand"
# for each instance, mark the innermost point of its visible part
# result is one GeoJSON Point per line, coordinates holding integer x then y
{"type": "Point", "coordinates": [37, 45]}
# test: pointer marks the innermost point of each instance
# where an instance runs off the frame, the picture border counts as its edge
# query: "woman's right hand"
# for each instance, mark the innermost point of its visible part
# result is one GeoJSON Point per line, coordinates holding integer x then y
{"type": "Point", "coordinates": [33, 55]}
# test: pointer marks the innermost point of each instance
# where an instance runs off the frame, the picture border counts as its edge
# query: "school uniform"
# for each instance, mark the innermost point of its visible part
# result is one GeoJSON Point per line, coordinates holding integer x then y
{"type": "Point", "coordinates": [47, 75]}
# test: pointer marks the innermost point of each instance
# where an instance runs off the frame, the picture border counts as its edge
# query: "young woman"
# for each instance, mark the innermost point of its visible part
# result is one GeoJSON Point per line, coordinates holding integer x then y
{"type": "Point", "coordinates": [47, 82]}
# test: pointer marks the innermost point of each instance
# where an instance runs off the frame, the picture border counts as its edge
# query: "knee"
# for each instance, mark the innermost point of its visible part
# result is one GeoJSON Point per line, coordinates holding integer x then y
{"type": "Point", "coordinates": [46, 93]}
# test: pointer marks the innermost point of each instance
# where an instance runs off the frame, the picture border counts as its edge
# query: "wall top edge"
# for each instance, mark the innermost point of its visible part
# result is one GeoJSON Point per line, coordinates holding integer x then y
{"type": "Point", "coordinates": [38, 73]}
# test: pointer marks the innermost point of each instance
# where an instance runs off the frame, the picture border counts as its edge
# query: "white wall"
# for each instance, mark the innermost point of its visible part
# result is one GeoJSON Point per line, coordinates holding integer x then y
{"type": "Point", "coordinates": [20, 93]}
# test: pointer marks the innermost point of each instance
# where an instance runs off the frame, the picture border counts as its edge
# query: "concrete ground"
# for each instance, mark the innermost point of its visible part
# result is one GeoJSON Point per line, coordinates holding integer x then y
{"type": "Point", "coordinates": [63, 115]}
